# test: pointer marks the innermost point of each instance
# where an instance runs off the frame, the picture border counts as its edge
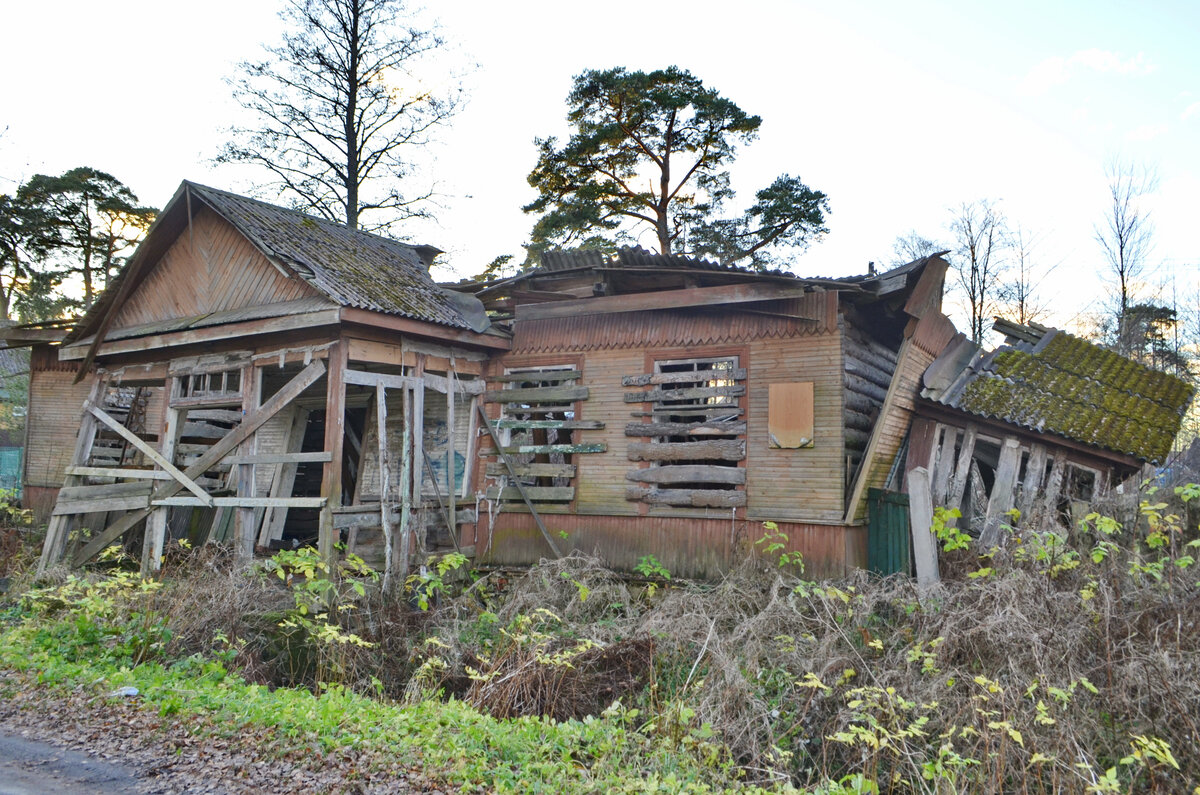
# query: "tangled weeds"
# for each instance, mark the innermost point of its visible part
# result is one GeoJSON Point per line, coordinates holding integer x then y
{"type": "Point", "coordinates": [1066, 664]}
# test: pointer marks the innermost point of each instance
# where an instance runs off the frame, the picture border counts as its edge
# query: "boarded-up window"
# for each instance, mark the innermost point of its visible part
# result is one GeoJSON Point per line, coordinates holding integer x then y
{"type": "Point", "coordinates": [697, 434]}
{"type": "Point", "coordinates": [790, 415]}
{"type": "Point", "coordinates": [538, 428]}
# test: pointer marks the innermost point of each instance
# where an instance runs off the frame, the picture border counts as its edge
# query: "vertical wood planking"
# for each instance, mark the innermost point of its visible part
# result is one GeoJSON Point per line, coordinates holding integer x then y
{"type": "Point", "coordinates": [156, 524]}
{"type": "Point", "coordinates": [245, 527]}
{"type": "Point", "coordinates": [385, 486]}
{"type": "Point", "coordinates": [1001, 499]}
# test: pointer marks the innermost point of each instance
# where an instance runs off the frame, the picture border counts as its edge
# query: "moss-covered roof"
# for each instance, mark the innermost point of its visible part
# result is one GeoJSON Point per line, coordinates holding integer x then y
{"type": "Point", "coordinates": [1072, 388]}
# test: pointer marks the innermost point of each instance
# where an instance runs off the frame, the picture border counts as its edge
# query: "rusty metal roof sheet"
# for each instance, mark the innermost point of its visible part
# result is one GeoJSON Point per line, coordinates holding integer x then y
{"type": "Point", "coordinates": [1065, 386]}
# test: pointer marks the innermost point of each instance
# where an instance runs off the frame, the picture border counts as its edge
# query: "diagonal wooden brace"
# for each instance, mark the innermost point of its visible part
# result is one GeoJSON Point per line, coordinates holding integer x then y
{"type": "Point", "coordinates": [250, 423]}
{"type": "Point", "coordinates": [152, 454]}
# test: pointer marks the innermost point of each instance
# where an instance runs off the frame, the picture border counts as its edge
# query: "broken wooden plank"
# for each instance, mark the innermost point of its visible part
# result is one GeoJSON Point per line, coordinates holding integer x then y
{"type": "Point", "coordinates": [130, 503]}
{"type": "Point", "coordinates": [693, 498]}
{"type": "Point", "coordinates": [215, 415]}
{"type": "Point", "coordinates": [533, 470]}
{"type": "Point", "coordinates": [155, 537]}
{"type": "Point", "coordinates": [687, 393]}
{"type": "Point", "coordinates": [320, 457]}
{"type": "Point", "coordinates": [1003, 493]}
{"type": "Point", "coordinates": [663, 299]}
{"type": "Point", "coordinates": [104, 490]}
{"type": "Point", "coordinates": [736, 374]}
{"type": "Point", "coordinates": [118, 472]}
{"type": "Point", "coordinates": [537, 394]}
{"type": "Point", "coordinates": [688, 473]}
{"type": "Point", "coordinates": [249, 425]}
{"type": "Point", "coordinates": [721, 450]}
{"type": "Point", "coordinates": [535, 493]}
{"type": "Point", "coordinates": [920, 516]}
{"type": "Point", "coordinates": [703, 428]}
{"type": "Point", "coordinates": [150, 453]}
{"type": "Point", "coordinates": [247, 502]}
{"type": "Point", "coordinates": [537, 375]}
{"type": "Point", "coordinates": [544, 449]}
{"type": "Point", "coordinates": [566, 425]}
{"type": "Point", "coordinates": [962, 469]}
{"type": "Point", "coordinates": [715, 410]}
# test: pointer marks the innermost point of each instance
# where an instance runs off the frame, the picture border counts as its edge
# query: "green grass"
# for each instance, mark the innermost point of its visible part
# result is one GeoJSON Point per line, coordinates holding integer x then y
{"type": "Point", "coordinates": [453, 740]}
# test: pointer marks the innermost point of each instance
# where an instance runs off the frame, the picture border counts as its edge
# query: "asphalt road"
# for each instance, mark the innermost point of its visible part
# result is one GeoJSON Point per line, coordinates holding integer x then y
{"type": "Point", "coordinates": [29, 767]}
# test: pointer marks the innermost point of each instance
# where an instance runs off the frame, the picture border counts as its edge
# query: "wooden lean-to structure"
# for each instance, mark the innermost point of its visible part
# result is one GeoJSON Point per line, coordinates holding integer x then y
{"type": "Point", "coordinates": [269, 379]}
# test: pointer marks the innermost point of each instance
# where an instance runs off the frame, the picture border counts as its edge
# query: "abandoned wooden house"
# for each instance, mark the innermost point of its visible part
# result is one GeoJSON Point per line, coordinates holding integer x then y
{"type": "Point", "coordinates": [667, 406]}
{"type": "Point", "coordinates": [1044, 423]}
{"type": "Point", "coordinates": [238, 373]}
{"type": "Point", "coordinates": [263, 378]}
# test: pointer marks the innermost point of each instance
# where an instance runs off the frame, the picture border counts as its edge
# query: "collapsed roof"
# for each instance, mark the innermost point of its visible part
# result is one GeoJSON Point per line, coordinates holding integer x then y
{"type": "Point", "coordinates": [1048, 381]}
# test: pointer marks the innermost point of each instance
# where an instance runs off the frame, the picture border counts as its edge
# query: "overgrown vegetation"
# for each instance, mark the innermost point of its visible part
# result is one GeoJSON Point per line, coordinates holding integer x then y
{"type": "Point", "coordinates": [1069, 661]}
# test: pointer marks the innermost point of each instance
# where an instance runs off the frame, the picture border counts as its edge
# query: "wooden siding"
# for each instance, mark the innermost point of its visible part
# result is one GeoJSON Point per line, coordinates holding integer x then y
{"type": "Point", "coordinates": [55, 410]}
{"type": "Point", "coordinates": [803, 489]}
{"type": "Point", "coordinates": [209, 268]}
{"type": "Point", "coordinates": [687, 547]}
{"type": "Point", "coordinates": [802, 485]}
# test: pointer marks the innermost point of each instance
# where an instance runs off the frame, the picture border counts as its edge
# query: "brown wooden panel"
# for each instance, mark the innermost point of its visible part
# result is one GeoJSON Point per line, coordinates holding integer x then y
{"type": "Point", "coordinates": [724, 450]}
{"type": "Point", "coordinates": [790, 415]}
{"type": "Point", "coordinates": [694, 473]}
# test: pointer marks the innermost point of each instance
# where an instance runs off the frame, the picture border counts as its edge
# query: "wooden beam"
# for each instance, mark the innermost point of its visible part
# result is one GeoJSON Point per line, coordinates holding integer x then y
{"type": "Point", "coordinates": [1002, 496]}
{"type": "Point", "coordinates": [535, 493]}
{"type": "Point", "coordinates": [249, 425]}
{"type": "Point", "coordinates": [543, 449]}
{"type": "Point", "coordinates": [721, 450]}
{"type": "Point", "coordinates": [385, 484]}
{"type": "Point", "coordinates": [694, 498]}
{"type": "Point", "coordinates": [118, 472]}
{"type": "Point", "coordinates": [200, 336]}
{"type": "Point", "coordinates": [335, 433]}
{"type": "Point", "coordinates": [516, 481]}
{"type": "Point", "coordinates": [537, 394]}
{"type": "Point", "coordinates": [695, 393]}
{"type": "Point", "coordinates": [566, 425]}
{"type": "Point", "coordinates": [149, 452]}
{"type": "Point", "coordinates": [279, 458]}
{"type": "Point", "coordinates": [665, 299]}
{"type": "Point", "coordinates": [420, 328]}
{"type": "Point", "coordinates": [694, 473]}
{"type": "Point", "coordinates": [435, 382]}
{"type": "Point", "coordinates": [245, 524]}
{"type": "Point", "coordinates": [736, 374]}
{"type": "Point", "coordinates": [405, 484]}
{"type": "Point", "coordinates": [537, 375]}
{"type": "Point", "coordinates": [156, 525]}
{"type": "Point", "coordinates": [248, 502]}
{"type": "Point", "coordinates": [722, 428]}
{"type": "Point", "coordinates": [920, 515]}
{"type": "Point", "coordinates": [534, 470]}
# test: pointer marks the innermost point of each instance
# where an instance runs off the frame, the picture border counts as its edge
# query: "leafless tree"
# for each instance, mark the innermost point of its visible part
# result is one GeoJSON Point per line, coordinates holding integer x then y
{"type": "Point", "coordinates": [1021, 293]}
{"type": "Point", "coordinates": [979, 231]}
{"type": "Point", "coordinates": [913, 246]}
{"type": "Point", "coordinates": [1125, 236]}
{"type": "Point", "coordinates": [340, 109]}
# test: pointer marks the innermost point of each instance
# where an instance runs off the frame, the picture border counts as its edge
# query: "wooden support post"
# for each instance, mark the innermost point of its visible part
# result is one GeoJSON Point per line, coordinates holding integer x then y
{"type": "Point", "coordinates": [385, 486]}
{"type": "Point", "coordinates": [472, 465]}
{"type": "Point", "coordinates": [962, 471]}
{"type": "Point", "coordinates": [418, 454]}
{"type": "Point", "coordinates": [451, 434]}
{"type": "Point", "coordinates": [284, 481]}
{"type": "Point", "coordinates": [245, 527]}
{"type": "Point", "coordinates": [335, 427]}
{"type": "Point", "coordinates": [57, 531]}
{"type": "Point", "coordinates": [1002, 497]}
{"type": "Point", "coordinates": [1054, 482]}
{"type": "Point", "coordinates": [920, 516]}
{"type": "Point", "coordinates": [1031, 486]}
{"type": "Point", "coordinates": [156, 525]}
{"type": "Point", "coordinates": [405, 485]}
{"type": "Point", "coordinates": [943, 464]}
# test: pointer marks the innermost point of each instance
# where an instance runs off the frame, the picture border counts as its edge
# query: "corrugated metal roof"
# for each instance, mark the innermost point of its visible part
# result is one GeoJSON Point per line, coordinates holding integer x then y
{"type": "Point", "coordinates": [352, 267]}
{"type": "Point", "coordinates": [1065, 386]}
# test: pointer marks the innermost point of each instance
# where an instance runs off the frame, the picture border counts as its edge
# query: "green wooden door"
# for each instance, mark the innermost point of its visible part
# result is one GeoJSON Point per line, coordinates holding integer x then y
{"type": "Point", "coordinates": [888, 540]}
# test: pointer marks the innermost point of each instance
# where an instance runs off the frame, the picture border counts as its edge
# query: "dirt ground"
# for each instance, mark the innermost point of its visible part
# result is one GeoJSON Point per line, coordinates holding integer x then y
{"type": "Point", "coordinates": [81, 743]}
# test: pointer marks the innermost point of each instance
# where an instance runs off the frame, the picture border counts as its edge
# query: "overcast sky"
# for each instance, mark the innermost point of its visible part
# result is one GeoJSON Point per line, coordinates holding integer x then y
{"type": "Point", "coordinates": [897, 110]}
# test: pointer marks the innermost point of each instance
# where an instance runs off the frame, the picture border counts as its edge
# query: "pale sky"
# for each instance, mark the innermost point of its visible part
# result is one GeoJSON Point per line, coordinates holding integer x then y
{"type": "Point", "coordinates": [897, 110]}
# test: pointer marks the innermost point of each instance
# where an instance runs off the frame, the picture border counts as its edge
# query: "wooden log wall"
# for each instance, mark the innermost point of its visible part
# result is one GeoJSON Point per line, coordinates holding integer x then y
{"type": "Point", "coordinates": [869, 367]}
